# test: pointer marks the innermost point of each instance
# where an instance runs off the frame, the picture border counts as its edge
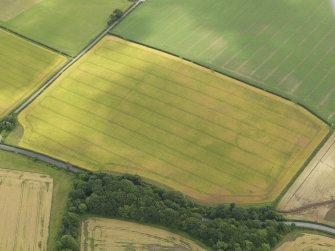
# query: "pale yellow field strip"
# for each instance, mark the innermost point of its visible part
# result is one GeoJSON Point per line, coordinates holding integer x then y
{"type": "Point", "coordinates": [316, 182]}
{"type": "Point", "coordinates": [309, 242]}
{"type": "Point", "coordinates": [114, 235]}
{"type": "Point", "coordinates": [25, 210]}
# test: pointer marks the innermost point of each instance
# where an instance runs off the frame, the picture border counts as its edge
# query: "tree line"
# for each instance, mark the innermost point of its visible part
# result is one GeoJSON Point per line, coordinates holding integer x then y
{"type": "Point", "coordinates": [128, 197]}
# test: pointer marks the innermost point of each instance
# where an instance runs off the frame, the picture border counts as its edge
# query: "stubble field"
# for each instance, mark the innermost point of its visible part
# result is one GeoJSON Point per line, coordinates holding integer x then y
{"type": "Point", "coordinates": [25, 210]}
{"type": "Point", "coordinates": [24, 66]}
{"type": "Point", "coordinates": [65, 25]}
{"type": "Point", "coordinates": [309, 242]}
{"type": "Point", "coordinates": [107, 234]}
{"type": "Point", "coordinates": [129, 109]}
{"type": "Point", "coordinates": [287, 47]}
{"type": "Point", "coordinates": [312, 195]}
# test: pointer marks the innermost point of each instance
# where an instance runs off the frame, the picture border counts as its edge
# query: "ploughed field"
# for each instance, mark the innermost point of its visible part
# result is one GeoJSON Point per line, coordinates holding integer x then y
{"type": "Point", "coordinates": [126, 108]}
{"type": "Point", "coordinates": [107, 234]}
{"type": "Point", "coordinates": [25, 210]}
{"type": "Point", "coordinates": [65, 25]}
{"type": "Point", "coordinates": [287, 47]}
{"type": "Point", "coordinates": [24, 66]}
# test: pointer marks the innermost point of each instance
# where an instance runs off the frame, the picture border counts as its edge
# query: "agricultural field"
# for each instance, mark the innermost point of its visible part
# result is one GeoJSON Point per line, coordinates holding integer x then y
{"type": "Point", "coordinates": [287, 47]}
{"type": "Point", "coordinates": [62, 185]}
{"type": "Point", "coordinates": [11, 8]}
{"type": "Point", "coordinates": [65, 25]}
{"type": "Point", "coordinates": [312, 195]}
{"type": "Point", "coordinates": [126, 108]}
{"type": "Point", "coordinates": [24, 66]}
{"type": "Point", "coordinates": [25, 210]}
{"type": "Point", "coordinates": [309, 242]}
{"type": "Point", "coordinates": [107, 234]}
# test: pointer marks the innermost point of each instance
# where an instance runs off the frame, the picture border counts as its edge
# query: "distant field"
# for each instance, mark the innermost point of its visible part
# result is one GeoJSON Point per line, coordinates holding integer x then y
{"type": "Point", "coordinates": [12, 8]}
{"type": "Point", "coordinates": [65, 25]}
{"type": "Point", "coordinates": [24, 66]}
{"type": "Point", "coordinates": [315, 186]}
{"type": "Point", "coordinates": [62, 185]}
{"type": "Point", "coordinates": [287, 47]}
{"type": "Point", "coordinates": [127, 108]}
{"type": "Point", "coordinates": [309, 242]}
{"type": "Point", "coordinates": [107, 234]}
{"type": "Point", "coordinates": [25, 210]}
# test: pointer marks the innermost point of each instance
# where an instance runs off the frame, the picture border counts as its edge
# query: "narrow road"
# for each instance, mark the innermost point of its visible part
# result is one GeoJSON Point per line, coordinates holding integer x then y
{"type": "Point", "coordinates": [42, 157]}
{"type": "Point", "coordinates": [74, 60]}
{"type": "Point", "coordinates": [312, 226]}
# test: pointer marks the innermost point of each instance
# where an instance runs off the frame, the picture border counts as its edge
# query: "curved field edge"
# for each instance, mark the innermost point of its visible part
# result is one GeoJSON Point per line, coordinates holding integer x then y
{"type": "Point", "coordinates": [306, 237]}
{"type": "Point", "coordinates": [257, 45]}
{"type": "Point", "coordinates": [110, 234]}
{"type": "Point", "coordinates": [62, 181]}
{"type": "Point", "coordinates": [30, 69]}
{"type": "Point", "coordinates": [318, 127]}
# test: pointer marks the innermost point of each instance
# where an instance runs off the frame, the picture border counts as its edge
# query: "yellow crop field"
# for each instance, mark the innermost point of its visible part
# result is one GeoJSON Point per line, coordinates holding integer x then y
{"type": "Point", "coordinates": [24, 66]}
{"type": "Point", "coordinates": [309, 242]}
{"type": "Point", "coordinates": [127, 108]}
{"type": "Point", "coordinates": [107, 234]}
{"type": "Point", "coordinates": [25, 210]}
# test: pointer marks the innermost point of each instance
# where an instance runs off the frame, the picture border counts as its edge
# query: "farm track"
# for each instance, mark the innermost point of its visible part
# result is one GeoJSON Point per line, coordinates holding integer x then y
{"type": "Point", "coordinates": [297, 210]}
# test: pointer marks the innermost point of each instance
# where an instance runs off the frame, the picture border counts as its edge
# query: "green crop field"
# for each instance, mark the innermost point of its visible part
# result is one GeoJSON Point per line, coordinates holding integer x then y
{"type": "Point", "coordinates": [65, 25]}
{"type": "Point", "coordinates": [287, 47]}
{"type": "Point", "coordinates": [127, 108]}
{"type": "Point", "coordinates": [24, 66]}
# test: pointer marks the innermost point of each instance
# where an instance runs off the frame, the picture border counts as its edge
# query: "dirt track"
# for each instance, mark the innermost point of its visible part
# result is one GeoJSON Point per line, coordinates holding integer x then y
{"type": "Point", "coordinates": [312, 195]}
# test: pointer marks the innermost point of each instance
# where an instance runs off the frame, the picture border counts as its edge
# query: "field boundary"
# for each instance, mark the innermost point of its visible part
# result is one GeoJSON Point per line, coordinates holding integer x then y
{"type": "Point", "coordinates": [310, 158]}
{"type": "Point", "coordinates": [42, 157]}
{"type": "Point", "coordinates": [34, 41]}
{"type": "Point", "coordinates": [230, 76]}
{"type": "Point", "coordinates": [55, 76]}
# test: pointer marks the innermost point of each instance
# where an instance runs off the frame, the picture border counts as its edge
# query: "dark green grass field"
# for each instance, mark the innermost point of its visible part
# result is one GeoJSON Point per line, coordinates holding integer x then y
{"type": "Point", "coordinates": [65, 25]}
{"type": "Point", "coordinates": [287, 47]}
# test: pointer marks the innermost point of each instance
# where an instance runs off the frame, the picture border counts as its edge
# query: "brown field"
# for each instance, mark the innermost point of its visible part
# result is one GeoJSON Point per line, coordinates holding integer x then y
{"type": "Point", "coordinates": [25, 210]}
{"type": "Point", "coordinates": [309, 242]}
{"type": "Point", "coordinates": [312, 195]}
{"type": "Point", "coordinates": [107, 234]}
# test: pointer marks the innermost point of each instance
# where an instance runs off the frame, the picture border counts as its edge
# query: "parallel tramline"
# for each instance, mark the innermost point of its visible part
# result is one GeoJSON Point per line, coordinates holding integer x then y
{"type": "Point", "coordinates": [286, 47]}
{"type": "Point", "coordinates": [24, 66]}
{"type": "Point", "coordinates": [133, 109]}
